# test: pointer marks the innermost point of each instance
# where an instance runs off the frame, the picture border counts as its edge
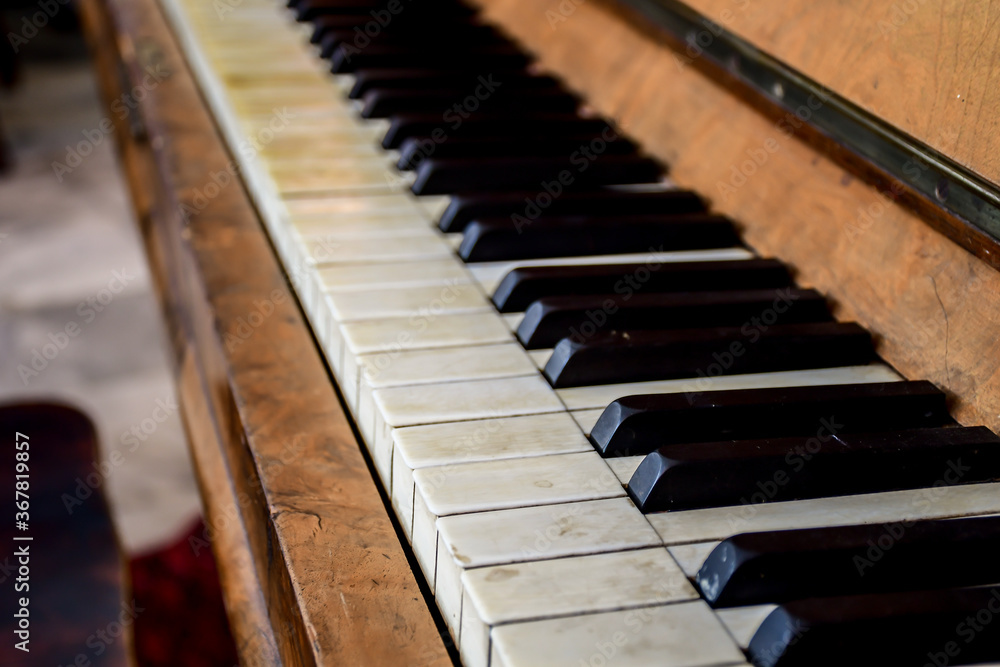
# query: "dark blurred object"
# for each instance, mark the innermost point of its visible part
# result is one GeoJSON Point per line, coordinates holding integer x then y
{"type": "Point", "coordinates": [72, 576]}
{"type": "Point", "coordinates": [185, 620]}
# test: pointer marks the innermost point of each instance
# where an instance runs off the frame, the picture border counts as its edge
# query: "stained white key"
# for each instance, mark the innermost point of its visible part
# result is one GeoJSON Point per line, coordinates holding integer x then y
{"type": "Point", "coordinates": [449, 330]}
{"type": "Point", "coordinates": [564, 587]}
{"type": "Point", "coordinates": [686, 634]}
{"type": "Point", "coordinates": [423, 367]}
{"type": "Point", "coordinates": [527, 534]}
{"type": "Point", "coordinates": [397, 407]}
{"type": "Point", "coordinates": [692, 556]}
{"type": "Point", "coordinates": [443, 446]}
{"type": "Point", "coordinates": [623, 467]}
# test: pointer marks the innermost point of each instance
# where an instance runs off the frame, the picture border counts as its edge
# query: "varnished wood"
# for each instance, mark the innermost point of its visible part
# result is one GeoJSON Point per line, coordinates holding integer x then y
{"type": "Point", "coordinates": [335, 587]}
{"type": "Point", "coordinates": [933, 306]}
{"type": "Point", "coordinates": [929, 67]}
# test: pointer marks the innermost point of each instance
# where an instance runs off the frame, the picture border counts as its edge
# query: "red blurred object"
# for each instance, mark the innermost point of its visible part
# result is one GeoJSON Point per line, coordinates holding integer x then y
{"type": "Point", "coordinates": [184, 620]}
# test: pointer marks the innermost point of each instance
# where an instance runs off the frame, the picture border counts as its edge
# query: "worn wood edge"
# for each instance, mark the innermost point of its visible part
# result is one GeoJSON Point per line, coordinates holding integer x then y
{"type": "Point", "coordinates": [225, 529]}
{"type": "Point", "coordinates": [969, 235]}
{"type": "Point", "coordinates": [932, 306]}
{"type": "Point", "coordinates": [292, 526]}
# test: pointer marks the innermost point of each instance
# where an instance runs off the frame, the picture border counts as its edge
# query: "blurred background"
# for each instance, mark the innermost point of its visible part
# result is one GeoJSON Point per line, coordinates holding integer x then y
{"type": "Point", "coordinates": [71, 261]}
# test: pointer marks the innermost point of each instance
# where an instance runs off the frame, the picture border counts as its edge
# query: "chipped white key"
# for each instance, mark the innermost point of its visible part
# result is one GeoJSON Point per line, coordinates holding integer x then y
{"type": "Point", "coordinates": [563, 587]}
{"type": "Point", "coordinates": [527, 534]}
{"type": "Point", "coordinates": [686, 634]}
{"type": "Point", "coordinates": [443, 446]}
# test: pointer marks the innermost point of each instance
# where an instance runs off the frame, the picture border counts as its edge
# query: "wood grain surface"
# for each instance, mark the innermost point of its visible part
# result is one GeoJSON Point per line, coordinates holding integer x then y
{"type": "Point", "coordinates": [312, 567]}
{"type": "Point", "coordinates": [933, 307]}
{"type": "Point", "coordinates": [929, 67]}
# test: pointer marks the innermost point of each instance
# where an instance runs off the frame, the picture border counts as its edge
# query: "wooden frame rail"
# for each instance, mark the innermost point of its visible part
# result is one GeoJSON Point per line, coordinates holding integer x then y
{"type": "Point", "coordinates": [312, 568]}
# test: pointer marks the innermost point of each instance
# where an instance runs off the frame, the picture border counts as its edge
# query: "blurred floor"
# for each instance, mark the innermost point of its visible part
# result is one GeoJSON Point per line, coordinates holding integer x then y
{"type": "Point", "coordinates": [62, 244]}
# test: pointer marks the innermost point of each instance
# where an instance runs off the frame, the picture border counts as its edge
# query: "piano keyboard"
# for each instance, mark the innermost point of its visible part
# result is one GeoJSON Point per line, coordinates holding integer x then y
{"type": "Point", "coordinates": [590, 404]}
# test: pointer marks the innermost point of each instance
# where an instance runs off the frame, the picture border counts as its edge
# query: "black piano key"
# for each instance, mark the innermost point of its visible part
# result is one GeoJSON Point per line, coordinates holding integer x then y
{"type": "Point", "coordinates": [345, 60]}
{"type": "Point", "coordinates": [610, 358]}
{"type": "Point", "coordinates": [550, 319]}
{"type": "Point", "coordinates": [512, 126]}
{"type": "Point", "coordinates": [383, 103]}
{"type": "Point", "coordinates": [636, 425]}
{"type": "Point", "coordinates": [443, 176]}
{"type": "Point", "coordinates": [497, 239]}
{"type": "Point", "coordinates": [417, 149]}
{"type": "Point", "coordinates": [468, 78]}
{"type": "Point", "coordinates": [921, 628]}
{"type": "Point", "coordinates": [718, 474]}
{"type": "Point", "coordinates": [780, 566]}
{"type": "Point", "coordinates": [524, 285]}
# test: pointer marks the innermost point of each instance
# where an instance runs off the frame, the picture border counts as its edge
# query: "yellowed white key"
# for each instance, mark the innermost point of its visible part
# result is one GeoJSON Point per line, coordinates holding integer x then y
{"type": "Point", "coordinates": [495, 596]}
{"type": "Point", "coordinates": [686, 634]}
{"type": "Point", "coordinates": [443, 446]}
{"type": "Point", "coordinates": [534, 533]}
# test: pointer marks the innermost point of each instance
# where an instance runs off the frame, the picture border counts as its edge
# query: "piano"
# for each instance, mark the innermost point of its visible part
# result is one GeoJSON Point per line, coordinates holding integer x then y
{"type": "Point", "coordinates": [471, 377]}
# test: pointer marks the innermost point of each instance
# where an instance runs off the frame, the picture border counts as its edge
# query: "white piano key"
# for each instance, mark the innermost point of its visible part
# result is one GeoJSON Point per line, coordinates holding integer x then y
{"type": "Point", "coordinates": [361, 227]}
{"type": "Point", "coordinates": [563, 587]}
{"type": "Point", "coordinates": [445, 445]}
{"type": "Point", "coordinates": [685, 634]}
{"type": "Point", "coordinates": [513, 320]}
{"type": "Point", "coordinates": [449, 402]}
{"type": "Point", "coordinates": [422, 367]}
{"type": "Point", "coordinates": [510, 483]}
{"type": "Point", "coordinates": [413, 333]}
{"type": "Point", "coordinates": [459, 401]}
{"type": "Point", "coordinates": [583, 398]}
{"type": "Point", "coordinates": [528, 534]}
{"type": "Point", "coordinates": [354, 206]}
{"type": "Point", "coordinates": [540, 357]}
{"type": "Point", "coordinates": [623, 467]}
{"type": "Point", "coordinates": [586, 419]}
{"type": "Point", "coordinates": [361, 277]}
{"type": "Point", "coordinates": [326, 250]}
{"type": "Point", "coordinates": [692, 556]}
{"type": "Point", "coordinates": [742, 622]}
{"type": "Point", "coordinates": [489, 274]}
{"type": "Point", "coordinates": [718, 523]}
{"type": "Point", "coordinates": [402, 302]}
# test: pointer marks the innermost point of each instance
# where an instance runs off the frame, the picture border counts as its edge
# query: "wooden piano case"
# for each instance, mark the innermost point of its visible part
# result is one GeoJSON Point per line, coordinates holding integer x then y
{"type": "Point", "coordinates": [311, 563]}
